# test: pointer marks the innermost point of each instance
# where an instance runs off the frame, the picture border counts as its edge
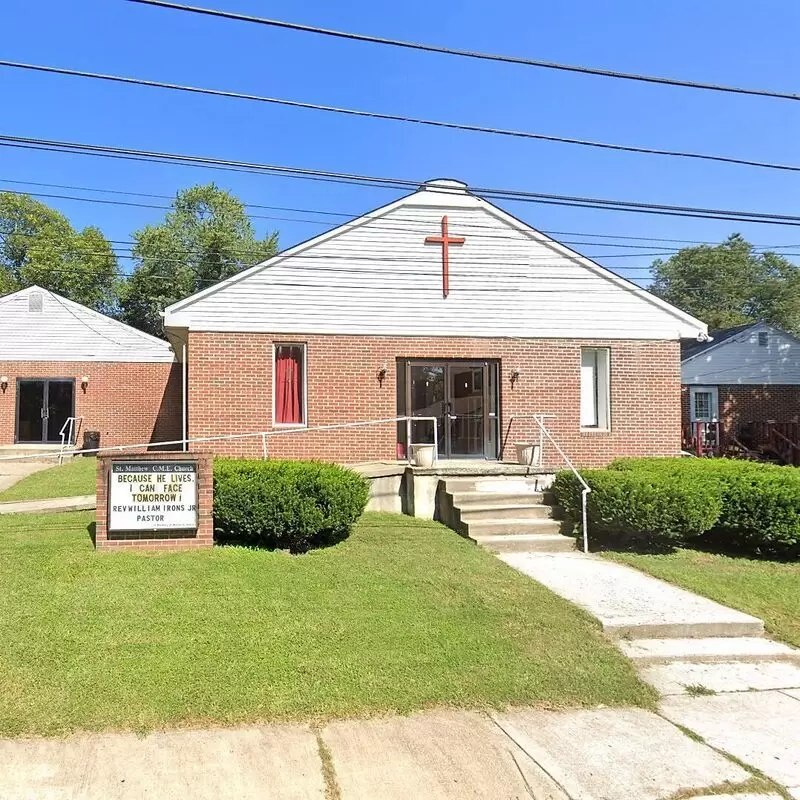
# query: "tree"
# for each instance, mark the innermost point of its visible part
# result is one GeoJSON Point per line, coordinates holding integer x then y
{"type": "Point", "coordinates": [39, 246]}
{"type": "Point", "coordinates": [205, 237]}
{"type": "Point", "coordinates": [731, 284]}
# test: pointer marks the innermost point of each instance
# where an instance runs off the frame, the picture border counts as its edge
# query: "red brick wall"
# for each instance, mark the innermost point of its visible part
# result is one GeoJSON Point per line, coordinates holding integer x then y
{"type": "Point", "coordinates": [230, 391]}
{"type": "Point", "coordinates": [742, 404]}
{"type": "Point", "coordinates": [128, 403]}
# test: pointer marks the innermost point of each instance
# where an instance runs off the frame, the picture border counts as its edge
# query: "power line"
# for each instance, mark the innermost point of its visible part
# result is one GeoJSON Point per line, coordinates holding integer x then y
{"type": "Point", "coordinates": [396, 183]}
{"type": "Point", "coordinates": [398, 117]}
{"type": "Point", "coordinates": [474, 54]}
{"type": "Point", "coordinates": [352, 215]}
{"type": "Point", "coordinates": [421, 228]}
{"type": "Point", "coordinates": [357, 214]}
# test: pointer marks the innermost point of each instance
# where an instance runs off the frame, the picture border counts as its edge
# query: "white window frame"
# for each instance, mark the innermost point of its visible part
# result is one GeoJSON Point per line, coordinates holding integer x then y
{"type": "Point", "coordinates": [714, 392]}
{"type": "Point", "coordinates": [601, 390]}
{"type": "Point", "coordinates": [304, 346]}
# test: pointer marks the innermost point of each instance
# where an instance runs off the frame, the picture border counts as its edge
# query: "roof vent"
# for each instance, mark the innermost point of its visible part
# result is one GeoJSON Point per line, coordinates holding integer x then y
{"type": "Point", "coordinates": [445, 185]}
{"type": "Point", "coordinates": [35, 303]}
{"type": "Point", "coordinates": [763, 339]}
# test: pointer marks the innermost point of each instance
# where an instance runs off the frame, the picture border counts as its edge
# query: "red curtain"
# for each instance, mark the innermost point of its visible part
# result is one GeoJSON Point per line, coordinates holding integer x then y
{"type": "Point", "coordinates": [288, 375]}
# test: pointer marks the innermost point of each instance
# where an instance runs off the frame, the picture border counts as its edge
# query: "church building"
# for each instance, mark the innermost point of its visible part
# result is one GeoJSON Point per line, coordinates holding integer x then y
{"type": "Point", "coordinates": [441, 305]}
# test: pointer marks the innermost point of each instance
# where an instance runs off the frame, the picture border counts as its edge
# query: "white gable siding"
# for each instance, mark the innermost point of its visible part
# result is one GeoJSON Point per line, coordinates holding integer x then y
{"type": "Point", "coordinates": [66, 331]}
{"type": "Point", "coordinates": [741, 360]}
{"type": "Point", "coordinates": [380, 277]}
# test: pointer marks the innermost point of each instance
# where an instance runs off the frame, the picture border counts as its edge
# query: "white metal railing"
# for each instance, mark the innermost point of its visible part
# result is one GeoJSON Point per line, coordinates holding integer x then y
{"type": "Point", "coordinates": [264, 435]}
{"type": "Point", "coordinates": [68, 433]}
{"type": "Point", "coordinates": [545, 434]}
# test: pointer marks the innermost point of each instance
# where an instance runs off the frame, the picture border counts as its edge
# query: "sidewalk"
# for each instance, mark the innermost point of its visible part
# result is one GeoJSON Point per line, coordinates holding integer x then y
{"type": "Point", "coordinates": [601, 754]}
{"type": "Point", "coordinates": [716, 675]}
{"type": "Point", "coordinates": [84, 502]}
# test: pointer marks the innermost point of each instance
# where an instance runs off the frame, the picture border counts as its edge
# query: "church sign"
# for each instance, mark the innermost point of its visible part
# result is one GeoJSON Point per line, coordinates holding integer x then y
{"type": "Point", "coordinates": [152, 496]}
{"type": "Point", "coordinates": [156, 499]}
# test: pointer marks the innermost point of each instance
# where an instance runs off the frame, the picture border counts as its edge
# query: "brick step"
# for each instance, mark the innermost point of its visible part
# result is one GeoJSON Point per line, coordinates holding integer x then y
{"type": "Point", "coordinates": [512, 527]}
{"type": "Point", "coordinates": [474, 512]}
{"type": "Point", "coordinates": [525, 542]}
{"type": "Point", "coordinates": [707, 650]}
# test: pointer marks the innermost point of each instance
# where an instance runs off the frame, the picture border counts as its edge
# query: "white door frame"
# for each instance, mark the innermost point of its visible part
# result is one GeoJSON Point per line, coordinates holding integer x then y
{"type": "Point", "coordinates": [714, 392]}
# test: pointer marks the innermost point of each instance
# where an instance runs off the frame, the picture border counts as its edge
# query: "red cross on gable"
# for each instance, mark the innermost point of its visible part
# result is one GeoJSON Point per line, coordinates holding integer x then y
{"type": "Point", "coordinates": [445, 240]}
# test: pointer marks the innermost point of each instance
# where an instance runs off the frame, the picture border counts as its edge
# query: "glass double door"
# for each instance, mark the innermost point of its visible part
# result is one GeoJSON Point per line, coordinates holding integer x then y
{"type": "Point", "coordinates": [43, 406]}
{"type": "Point", "coordinates": [462, 396]}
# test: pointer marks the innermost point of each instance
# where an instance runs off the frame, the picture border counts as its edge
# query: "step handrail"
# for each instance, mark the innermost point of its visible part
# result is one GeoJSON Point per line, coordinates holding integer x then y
{"type": "Point", "coordinates": [264, 436]}
{"type": "Point", "coordinates": [68, 433]}
{"type": "Point", "coordinates": [545, 433]}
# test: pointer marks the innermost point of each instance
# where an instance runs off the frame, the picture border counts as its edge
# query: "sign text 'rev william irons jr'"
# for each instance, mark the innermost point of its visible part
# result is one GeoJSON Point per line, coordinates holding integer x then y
{"type": "Point", "coordinates": [152, 495]}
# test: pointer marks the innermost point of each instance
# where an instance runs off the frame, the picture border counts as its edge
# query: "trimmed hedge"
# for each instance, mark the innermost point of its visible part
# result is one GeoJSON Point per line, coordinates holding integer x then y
{"type": "Point", "coordinates": [288, 505]}
{"type": "Point", "coordinates": [657, 502]}
{"type": "Point", "coordinates": [635, 509]}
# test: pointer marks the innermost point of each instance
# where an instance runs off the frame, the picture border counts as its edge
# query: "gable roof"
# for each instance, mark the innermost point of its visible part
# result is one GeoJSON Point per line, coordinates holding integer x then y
{"type": "Point", "coordinates": [212, 308]}
{"type": "Point", "coordinates": [63, 330]}
{"type": "Point", "coordinates": [716, 337]}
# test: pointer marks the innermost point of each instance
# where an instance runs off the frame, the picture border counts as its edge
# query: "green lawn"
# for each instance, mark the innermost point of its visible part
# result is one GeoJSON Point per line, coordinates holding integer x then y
{"type": "Point", "coordinates": [767, 589]}
{"type": "Point", "coordinates": [76, 477]}
{"type": "Point", "coordinates": [403, 615]}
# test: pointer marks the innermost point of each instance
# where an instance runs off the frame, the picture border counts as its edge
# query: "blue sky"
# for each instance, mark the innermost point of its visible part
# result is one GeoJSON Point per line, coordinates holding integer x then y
{"type": "Point", "coordinates": [731, 41]}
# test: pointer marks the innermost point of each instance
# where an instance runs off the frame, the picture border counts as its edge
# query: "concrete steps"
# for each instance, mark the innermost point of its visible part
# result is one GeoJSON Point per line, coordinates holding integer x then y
{"type": "Point", "coordinates": [709, 650]}
{"type": "Point", "coordinates": [525, 542]}
{"type": "Point", "coordinates": [36, 453]}
{"type": "Point", "coordinates": [505, 514]}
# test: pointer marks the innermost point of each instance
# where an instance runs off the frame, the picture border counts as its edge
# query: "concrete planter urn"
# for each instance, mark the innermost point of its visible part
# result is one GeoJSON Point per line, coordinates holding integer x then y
{"type": "Point", "coordinates": [528, 454]}
{"type": "Point", "coordinates": [423, 455]}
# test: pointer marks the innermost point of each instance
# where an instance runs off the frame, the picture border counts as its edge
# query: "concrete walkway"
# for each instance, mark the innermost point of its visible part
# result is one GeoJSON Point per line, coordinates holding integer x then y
{"type": "Point", "coordinates": [602, 754]}
{"type": "Point", "coordinates": [13, 471]}
{"type": "Point", "coordinates": [52, 504]}
{"type": "Point", "coordinates": [716, 674]}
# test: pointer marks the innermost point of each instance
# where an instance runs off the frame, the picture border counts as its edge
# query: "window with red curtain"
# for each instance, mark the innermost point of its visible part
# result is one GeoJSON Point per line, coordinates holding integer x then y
{"type": "Point", "coordinates": [289, 382]}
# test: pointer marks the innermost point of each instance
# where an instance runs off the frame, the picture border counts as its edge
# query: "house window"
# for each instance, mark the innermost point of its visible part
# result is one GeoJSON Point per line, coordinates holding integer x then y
{"type": "Point", "coordinates": [289, 381]}
{"type": "Point", "coordinates": [763, 338]}
{"type": "Point", "coordinates": [595, 388]}
{"type": "Point", "coordinates": [703, 403]}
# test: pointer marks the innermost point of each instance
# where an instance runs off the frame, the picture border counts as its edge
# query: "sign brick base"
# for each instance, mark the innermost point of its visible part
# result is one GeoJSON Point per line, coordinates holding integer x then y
{"type": "Point", "coordinates": [156, 538]}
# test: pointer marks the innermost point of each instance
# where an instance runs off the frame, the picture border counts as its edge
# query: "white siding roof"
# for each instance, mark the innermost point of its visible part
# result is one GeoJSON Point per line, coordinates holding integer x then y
{"type": "Point", "coordinates": [376, 275]}
{"type": "Point", "coordinates": [67, 331]}
{"type": "Point", "coordinates": [742, 360]}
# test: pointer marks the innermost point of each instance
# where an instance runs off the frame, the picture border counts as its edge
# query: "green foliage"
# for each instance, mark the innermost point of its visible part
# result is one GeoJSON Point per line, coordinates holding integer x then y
{"type": "Point", "coordinates": [633, 509]}
{"type": "Point", "coordinates": [39, 246]}
{"type": "Point", "coordinates": [731, 284]}
{"type": "Point", "coordinates": [206, 237]}
{"type": "Point", "coordinates": [739, 505]}
{"type": "Point", "coordinates": [404, 615]}
{"type": "Point", "coordinates": [288, 505]}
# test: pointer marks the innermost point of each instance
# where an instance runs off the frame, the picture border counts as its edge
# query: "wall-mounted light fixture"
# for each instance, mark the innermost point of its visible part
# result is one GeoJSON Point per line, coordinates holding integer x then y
{"type": "Point", "coordinates": [4, 383]}
{"type": "Point", "coordinates": [84, 383]}
{"type": "Point", "coordinates": [514, 376]}
{"type": "Point", "coordinates": [382, 373]}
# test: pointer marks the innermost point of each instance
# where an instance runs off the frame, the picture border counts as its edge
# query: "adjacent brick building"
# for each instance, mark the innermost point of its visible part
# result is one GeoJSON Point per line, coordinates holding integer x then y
{"type": "Point", "coordinates": [437, 305]}
{"type": "Point", "coordinates": [740, 385]}
{"type": "Point", "coordinates": [60, 360]}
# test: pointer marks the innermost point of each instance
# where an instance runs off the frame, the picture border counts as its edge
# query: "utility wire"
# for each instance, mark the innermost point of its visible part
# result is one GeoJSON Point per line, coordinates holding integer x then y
{"type": "Point", "coordinates": [352, 215]}
{"type": "Point", "coordinates": [474, 54]}
{"type": "Point", "coordinates": [397, 183]}
{"type": "Point", "coordinates": [358, 214]}
{"type": "Point", "coordinates": [398, 117]}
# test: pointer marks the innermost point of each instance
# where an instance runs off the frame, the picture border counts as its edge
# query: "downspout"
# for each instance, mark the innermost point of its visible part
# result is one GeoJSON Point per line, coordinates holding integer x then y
{"type": "Point", "coordinates": [185, 401]}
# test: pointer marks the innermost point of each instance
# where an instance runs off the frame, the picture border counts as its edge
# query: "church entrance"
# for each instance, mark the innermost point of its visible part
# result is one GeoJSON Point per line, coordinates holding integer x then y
{"type": "Point", "coordinates": [43, 407]}
{"type": "Point", "coordinates": [461, 395]}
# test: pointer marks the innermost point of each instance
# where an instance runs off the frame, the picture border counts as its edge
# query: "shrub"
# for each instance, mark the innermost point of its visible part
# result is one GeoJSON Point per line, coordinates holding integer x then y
{"type": "Point", "coordinates": [635, 509]}
{"type": "Point", "coordinates": [292, 505]}
{"type": "Point", "coordinates": [740, 505]}
{"type": "Point", "coordinates": [761, 512]}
